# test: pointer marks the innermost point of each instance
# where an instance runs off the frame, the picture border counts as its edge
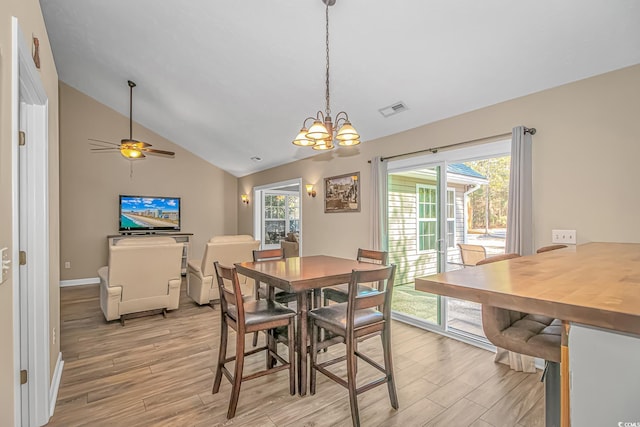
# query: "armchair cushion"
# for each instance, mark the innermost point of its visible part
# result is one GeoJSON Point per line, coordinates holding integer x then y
{"type": "Point", "coordinates": [227, 250]}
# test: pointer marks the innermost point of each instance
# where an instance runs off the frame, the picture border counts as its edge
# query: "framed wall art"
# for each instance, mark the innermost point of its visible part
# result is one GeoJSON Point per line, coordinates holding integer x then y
{"type": "Point", "coordinates": [342, 193]}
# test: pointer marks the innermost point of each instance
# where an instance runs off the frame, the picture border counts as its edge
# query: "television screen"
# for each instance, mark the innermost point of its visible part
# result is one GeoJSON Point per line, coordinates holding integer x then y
{"type": "Point", "coordinates": [140, 213]}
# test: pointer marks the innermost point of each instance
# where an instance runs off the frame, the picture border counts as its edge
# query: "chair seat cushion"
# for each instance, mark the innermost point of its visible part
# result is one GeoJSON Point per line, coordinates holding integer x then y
{"type": "Point", "coordinates": [340, 293]}
{"type": "Point", "coordinates": [336, 315]}
{"type": "Point", "coordinates": [262, 311]}
{"type": "Point", "coordinates": [534, 335]}
{"type": "Point", "coordinates": [279, 296]}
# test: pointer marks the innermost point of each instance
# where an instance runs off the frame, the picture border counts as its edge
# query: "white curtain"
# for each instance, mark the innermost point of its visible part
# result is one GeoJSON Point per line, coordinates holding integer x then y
{"type": "Point", "coordinates": [519, 222]}
{"type": "Point", "coordinates": [378, 208]}
{"type": "Point", "coordinates": [519, 217]}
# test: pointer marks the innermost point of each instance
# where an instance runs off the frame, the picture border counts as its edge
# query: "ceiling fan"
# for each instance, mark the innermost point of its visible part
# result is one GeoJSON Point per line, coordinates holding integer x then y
{"type": "Point", "coordinates": [129, 148]}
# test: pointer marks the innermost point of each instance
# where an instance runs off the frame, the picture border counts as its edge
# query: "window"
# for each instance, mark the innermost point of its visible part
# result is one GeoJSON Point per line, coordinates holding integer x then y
{"type": "Point", "coordinates": [428, 215]}
{"type": "Point", "coordinates": [281, 215]}
{"type": "Point", "coordinates": [451, 218]}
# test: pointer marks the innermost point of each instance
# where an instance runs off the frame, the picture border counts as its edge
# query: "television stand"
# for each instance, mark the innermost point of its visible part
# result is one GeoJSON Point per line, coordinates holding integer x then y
{"type": "Point", "coordinates": [183, 238]}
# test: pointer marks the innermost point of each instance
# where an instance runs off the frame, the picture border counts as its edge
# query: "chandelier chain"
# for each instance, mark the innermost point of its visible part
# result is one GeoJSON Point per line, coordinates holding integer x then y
{"type": "Point", "coordinates": [328, 110]}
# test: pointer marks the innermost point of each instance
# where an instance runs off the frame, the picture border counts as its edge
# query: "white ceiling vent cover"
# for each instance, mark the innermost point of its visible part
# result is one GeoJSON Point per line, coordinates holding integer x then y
{"type": "Point", "coordinates": [395, 108]}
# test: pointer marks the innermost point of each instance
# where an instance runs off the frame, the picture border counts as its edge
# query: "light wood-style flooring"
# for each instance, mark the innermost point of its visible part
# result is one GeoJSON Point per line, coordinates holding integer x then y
{"type": "Point", "coordinates": [157, 371]}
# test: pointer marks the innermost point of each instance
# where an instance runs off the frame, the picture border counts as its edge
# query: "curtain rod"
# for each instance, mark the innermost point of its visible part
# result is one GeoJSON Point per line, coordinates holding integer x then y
{"type": "Point", "coordinates": [434, 150]}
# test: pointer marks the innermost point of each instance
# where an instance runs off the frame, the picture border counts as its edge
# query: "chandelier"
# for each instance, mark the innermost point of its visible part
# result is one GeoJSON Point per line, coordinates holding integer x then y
{"type": "Point", "coordinates": [323, 132]}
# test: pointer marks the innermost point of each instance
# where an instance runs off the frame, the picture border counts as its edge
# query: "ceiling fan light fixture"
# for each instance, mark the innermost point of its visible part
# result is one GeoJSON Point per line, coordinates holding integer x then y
{"type": "Point", "coordinates": [131, 153]}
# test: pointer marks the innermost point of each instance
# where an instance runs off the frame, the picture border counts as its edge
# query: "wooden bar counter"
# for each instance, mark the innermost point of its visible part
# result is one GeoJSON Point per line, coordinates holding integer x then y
{"type": "Point", "coordinates": [595, 287]}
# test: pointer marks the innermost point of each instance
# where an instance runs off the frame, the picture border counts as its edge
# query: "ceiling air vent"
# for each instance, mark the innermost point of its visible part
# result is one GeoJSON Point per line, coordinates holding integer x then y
{"type": "Point", "coordinates": [395, 108]}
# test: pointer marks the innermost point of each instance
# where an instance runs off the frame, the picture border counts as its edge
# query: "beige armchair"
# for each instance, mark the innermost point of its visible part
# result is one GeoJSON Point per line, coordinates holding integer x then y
{"type": "Point", "coordinates": [143, 274]}
{"type": "Point", "coordinates": [290, 246]}
{"type": "Point", "coordinates": [227, 250]}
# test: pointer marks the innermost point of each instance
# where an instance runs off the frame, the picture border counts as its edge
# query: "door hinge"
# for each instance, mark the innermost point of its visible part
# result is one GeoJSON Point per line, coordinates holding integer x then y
{"type": "Point", "coordinates": [23, 376]}
{"type": "Point", "coordinates": [21, 138]}
{"type": "Point", "coordinates": [23, 258]}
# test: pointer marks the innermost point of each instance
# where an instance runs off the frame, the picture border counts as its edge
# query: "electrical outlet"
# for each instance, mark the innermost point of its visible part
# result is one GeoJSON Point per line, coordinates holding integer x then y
{"type": "Point", "coordinates": [67, 264]}
{"type": "Point", "coordinates": [563, 236]}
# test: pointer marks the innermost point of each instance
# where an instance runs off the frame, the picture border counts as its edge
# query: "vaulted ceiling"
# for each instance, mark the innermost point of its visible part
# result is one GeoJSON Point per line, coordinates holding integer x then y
{"type": "Point", "coordinates": [232, 80]}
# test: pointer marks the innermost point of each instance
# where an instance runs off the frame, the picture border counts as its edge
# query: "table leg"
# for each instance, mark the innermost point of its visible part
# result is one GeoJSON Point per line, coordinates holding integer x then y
{"type": "Point", "coordinates": [565, 419]}
{"type": "Point", "coordinates": [302, 342]}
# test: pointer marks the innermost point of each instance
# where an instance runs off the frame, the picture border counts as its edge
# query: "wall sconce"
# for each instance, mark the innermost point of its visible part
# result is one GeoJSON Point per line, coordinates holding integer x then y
{"type": "Point", "coordinates": [245, 199]}
{"type": "Point", "coordinates": [310, 191]}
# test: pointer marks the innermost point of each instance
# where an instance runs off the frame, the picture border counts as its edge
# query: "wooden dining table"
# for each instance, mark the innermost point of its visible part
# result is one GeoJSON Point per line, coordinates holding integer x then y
{"type": "Point", "coordinates": [594, 289]}
{"type": "Point", "coordinates": [303, 275]}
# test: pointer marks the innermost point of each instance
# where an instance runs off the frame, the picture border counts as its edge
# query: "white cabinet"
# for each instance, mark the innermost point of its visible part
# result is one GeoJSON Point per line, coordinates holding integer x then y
{"type": "Point", "coordinates": [183, 238]}
{"type": "Point", "coordinates": [604, 377]}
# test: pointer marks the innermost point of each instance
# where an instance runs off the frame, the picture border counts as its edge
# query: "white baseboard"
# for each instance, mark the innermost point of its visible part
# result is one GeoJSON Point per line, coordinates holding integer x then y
{"type": "Point", "coordinates": [78, 282]}
{"type": "Point", "coordinates": [55, 384]}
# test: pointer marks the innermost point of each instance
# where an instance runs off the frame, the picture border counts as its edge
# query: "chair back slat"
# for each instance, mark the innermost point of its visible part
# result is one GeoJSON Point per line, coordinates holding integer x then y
{"type": "Point", "coordinates": [375, 299]}
{"type": "Point", "coordinates": [375, 257]}
{"type": "Point", "coordinates": [268, 254]}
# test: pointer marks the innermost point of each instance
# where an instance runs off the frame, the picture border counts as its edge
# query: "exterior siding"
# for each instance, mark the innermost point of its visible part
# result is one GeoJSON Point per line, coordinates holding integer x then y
{"type": "Point", "coordinates": [402, 229]}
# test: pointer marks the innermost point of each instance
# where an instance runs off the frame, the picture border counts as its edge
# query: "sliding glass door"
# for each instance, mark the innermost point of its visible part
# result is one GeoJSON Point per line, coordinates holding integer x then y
{"type": "Point", "coordinates": [433, 207]}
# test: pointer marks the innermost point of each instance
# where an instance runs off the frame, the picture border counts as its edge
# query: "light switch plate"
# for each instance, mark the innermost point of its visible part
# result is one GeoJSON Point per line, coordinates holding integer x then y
{"type": "Point", "coordinates": [6, 262]}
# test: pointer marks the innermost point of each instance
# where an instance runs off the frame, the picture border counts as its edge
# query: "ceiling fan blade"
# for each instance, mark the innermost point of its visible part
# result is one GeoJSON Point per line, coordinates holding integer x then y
{"type": "Point", "coordinates": [160, 152]}
{"type": "Point", "coordinates": [104, 142]}
{"type": "Point", "coordinates": [114, 149]}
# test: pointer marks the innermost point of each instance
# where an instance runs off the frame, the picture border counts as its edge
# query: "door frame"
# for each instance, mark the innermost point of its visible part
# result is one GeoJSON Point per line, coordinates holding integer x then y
{"type": "Point", "coordinates": [257, 194]}
{"type": "Point", "coordinates": [30, 108]}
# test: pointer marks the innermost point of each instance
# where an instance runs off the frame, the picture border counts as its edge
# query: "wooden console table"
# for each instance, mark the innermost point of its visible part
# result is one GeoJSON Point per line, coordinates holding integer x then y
{"type": "Point", "coordinates": [184, 238]}
{"type": "Point", "coordinates": [594, 288]}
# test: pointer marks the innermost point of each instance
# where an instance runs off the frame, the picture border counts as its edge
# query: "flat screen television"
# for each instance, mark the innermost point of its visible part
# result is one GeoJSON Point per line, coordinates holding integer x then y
{"type": "Point", "coordinates": [144, 213]}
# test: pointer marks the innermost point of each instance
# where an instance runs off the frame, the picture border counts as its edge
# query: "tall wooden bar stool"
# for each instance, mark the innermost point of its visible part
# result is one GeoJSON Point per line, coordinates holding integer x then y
{"type": "Point", "coordinates": [244, 318]}
{"type": "Point", "coordinates": [262, 290]}
{"type": "Point", "coordinates": [362, 315]}
{"type": "Point", "coordinates": [340, 293]}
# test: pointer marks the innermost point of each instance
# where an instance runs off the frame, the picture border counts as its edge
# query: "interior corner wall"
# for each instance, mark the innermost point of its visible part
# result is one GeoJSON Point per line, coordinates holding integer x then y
{"type": "Point", "coordinates": [584, 164]}
{"type": "Point", "coordinates": [90, 183]}
{"type": "Point", "coordinates": [32, 24]}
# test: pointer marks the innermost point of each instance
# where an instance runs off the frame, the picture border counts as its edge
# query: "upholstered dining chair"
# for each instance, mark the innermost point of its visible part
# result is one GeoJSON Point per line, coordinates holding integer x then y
{"type": "Point", "coordinates": [550, 248]}
{"type": "Point", "coordinates": [471, 254]}
{"type": "Point", "coordinates": [533, 335]}
{"type": "Point", "coordinates": [248, 317]}
{"type": "Point", "coordinates": [362, 315]}
{"type": "Point", "coordinates": [340, 293]}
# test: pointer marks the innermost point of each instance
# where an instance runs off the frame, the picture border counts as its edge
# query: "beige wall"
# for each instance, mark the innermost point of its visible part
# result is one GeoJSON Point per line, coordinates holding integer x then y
{"type": "Point", "coordinates": [90, 183]}
{"type": "Point", "coordinates": [31, 22]}
{"type": "Point", "coordinates": [585, 163]}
